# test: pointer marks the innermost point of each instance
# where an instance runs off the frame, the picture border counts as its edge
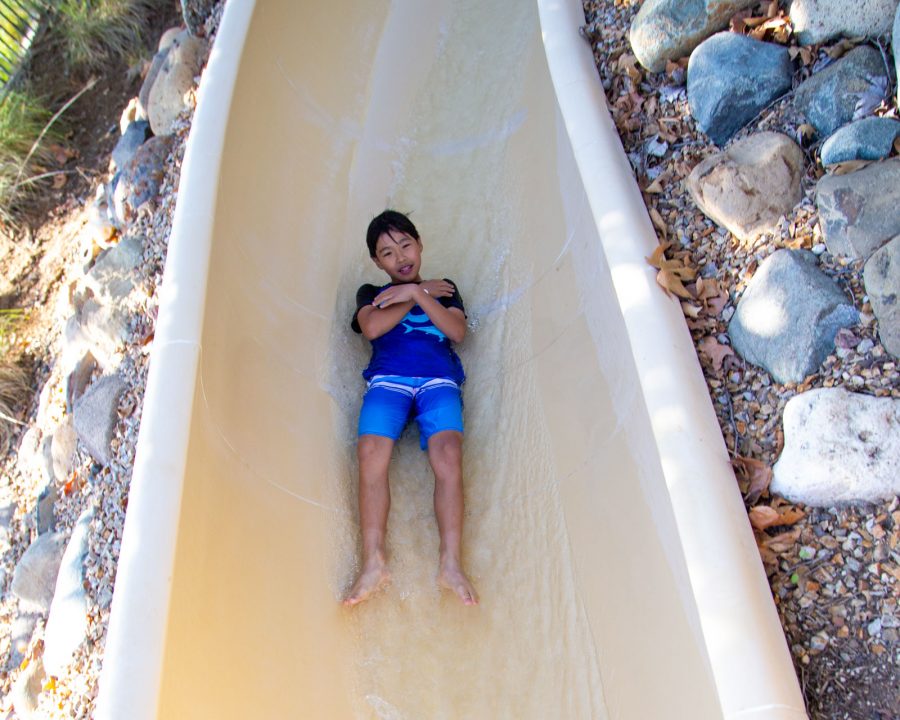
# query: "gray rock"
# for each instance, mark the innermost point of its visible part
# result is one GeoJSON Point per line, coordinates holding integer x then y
{"type": "Point", "coordinates": [182, 62]}
{"type": "Point", "coordinates": [881, 277]}
{"type": "Point", "coordinates": [895, 33]}
{"type": "Point", "coordinates": [731, 78]}
{"type": "Point", "coordinates": [788, 316]}
{"type": "Point", "coordinates": [751, 185]}
{"type": "Point", "coordinates": [134, 136]}
{"type": "Point", "coordinates": [112, 277]}
{"type": "Point", "coordinates": [78, 379]}
{"type": "Point", "coordinates": [859, 211]}
{"type": "Point", "coordinates": [846, 90]}
{"type": "Point", "coordinates": [26, 690]}
{"type": "Point", "coordinates": [101, 329]}
{"type": "Point", "coordinates": [839, 446]}
{"type": "Point", "coordinates": [155, 66]}
{"type": "Point", "coordinates": [62, 451]}
{"type": "Point", "coordinates": [34, 578]}
{"type": "Point", "coordinates": [7, 512]}
{"type": "Point", "coordinates": [140, 180]}
{"type": "Point", "coordinates": [670, 29]}
{"type": "Point", "coordinates": [867, 139]}
{"type": "Point", "coordinates": [44, 509]}
{"type": "Point", "coordinates": [816, 21]}
{"type": "Point", "coordinates": [67, 624]}
{"type": "Point", "coordinates": [195, 13]}
{"type": "Point", "coordinates": [95, 416]}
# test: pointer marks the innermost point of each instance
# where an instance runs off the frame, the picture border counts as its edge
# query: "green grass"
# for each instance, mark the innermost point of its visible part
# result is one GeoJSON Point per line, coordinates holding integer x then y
{"type": "Point", "coordinates": [93, 32]}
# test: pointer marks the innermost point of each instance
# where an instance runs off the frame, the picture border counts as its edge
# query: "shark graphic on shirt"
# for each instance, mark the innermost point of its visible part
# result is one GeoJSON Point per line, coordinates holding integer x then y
{"type": "Point", "coordinates": [414, 323]}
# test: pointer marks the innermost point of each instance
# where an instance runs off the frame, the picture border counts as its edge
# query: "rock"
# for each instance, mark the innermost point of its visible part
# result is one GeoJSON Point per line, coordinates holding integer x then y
{"type": "Point", "coordinates": [168, 38]}
{"type": "Point", "coordinates": [731, 78]}
{"type": "Point", "coordinates": [67, 624]}
{"type": "Point", "coordinates": [95, 416]}
{"type": "Point", "coordinates": [78, 379]}
{"type": "Point", "coordinates": [881, 277]}
{"type": "Point", "coordinates": [62, 450]}
{"type": "Point", "coordinates": [788, 316]}
{"type": "Point", "coordinates": [155, 66]}
{"type": "Point", "coordinates": [34, 578]}
{"type": "Point", "coordinates": [135, 135]}
{"type": "Point", "coordinates": [140, 180]}
{"type": "Point", "coordinates": [20, 637]}
{"type": "Point", "coordinates": [859, 211]}
{"type": "Point", "coordinates": [165, 101]}
{"type": "Point", "coordinates": [867, 139]}
{"type": "Point", "coordinates": [102, 329]}
{"type": "Point", "coordinates": [751, 185]}
{"type": "Point", "coordinates": [133, 112]}
{"type": "Point", "coordinates": [26, 690]}
{"type": "Point", "coordinates": [195, 13]}
{"type": "Point", "coordinates": [112, 277]}
{"type": "Point", "coordinates": [830, 98]}
{"type": "Point", "coordinates": [7, 512]}
{"type": "Point", "coordinates": [44, 509]}
{"type": "Point", "coordinates": [816, 21]}
{"type": "Point", "coordinates": [839, 446]}
{"type": "Point", "coordinates": [670, 29]}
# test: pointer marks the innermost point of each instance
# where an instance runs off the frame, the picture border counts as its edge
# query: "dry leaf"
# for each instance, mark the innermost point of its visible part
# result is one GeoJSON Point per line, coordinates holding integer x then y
{"type": "Point", "coordinates": [790, 516]}
{"type": "Point", "coordinates": [59, 181]}
{"type": "Point", "coordinates": [671, 283]}
{"type": "Point", "coordinates": [656, 187]}
{"type": "Point", "coordinates": [753, 476]}
{"type": "Point", "coordinates": [848, 167]}
{"type": "Point", "coordinates": [782, 542]}
{"type": "Point", "coordinates": [657, 258]}
{"type": "Point", "coordinates": [691, 310]}
{"type": "Point", "coordinates": [658, 222]}
{"type": "Point", "coordinates": [627, 63]}
{"type": "Point", "coordinates": [806, 131]}
{"type": "Point", "coordinates": [762, 516]}
{"type": "Point", "coordinates": [715, 351]}
{"type": "Point", "coordinates": [897, 144]}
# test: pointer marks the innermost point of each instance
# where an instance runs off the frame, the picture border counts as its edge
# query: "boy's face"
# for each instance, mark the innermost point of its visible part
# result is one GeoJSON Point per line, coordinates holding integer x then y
{"type": "Point", "coordinates": [399, 255]}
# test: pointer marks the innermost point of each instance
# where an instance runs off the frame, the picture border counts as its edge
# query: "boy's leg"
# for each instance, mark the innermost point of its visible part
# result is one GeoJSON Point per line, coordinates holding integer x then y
{"type": "Point", "coordinates": [374, 452]}
{"type": "Point", "coordinates": [445, 456]}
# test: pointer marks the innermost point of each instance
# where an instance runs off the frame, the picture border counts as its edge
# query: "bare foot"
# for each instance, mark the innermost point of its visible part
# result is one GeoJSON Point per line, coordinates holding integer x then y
{"type": "Point", "coordinates": [453, 578]}
{"type": "Point", "coordinates": [373, 577]}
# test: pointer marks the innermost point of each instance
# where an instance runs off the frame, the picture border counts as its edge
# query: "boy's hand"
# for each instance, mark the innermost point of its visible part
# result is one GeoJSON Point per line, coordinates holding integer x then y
{"type": "Point", "coordinates": [396, 294]}
{"type": "Point", "coordinates": [437, 288]}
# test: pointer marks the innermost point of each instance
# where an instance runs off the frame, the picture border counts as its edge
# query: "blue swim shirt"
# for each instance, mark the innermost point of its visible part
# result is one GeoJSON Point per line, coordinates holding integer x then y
{"type": "Point", "coordinates": [414, 347]}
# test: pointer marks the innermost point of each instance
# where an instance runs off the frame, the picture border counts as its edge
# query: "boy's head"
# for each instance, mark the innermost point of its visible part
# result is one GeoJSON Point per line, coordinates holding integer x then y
{"type": "Point", "coordinates": [395, 246]}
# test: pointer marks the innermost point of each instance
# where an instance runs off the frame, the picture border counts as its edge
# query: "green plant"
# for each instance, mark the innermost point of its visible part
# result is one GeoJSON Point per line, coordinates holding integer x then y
{"type": "Point", "coordinates": [24, 134]}
{"type": "Point", "coordinates": [92, 32]}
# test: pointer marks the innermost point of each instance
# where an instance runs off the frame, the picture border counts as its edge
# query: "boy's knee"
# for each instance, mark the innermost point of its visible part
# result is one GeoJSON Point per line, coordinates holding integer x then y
{"type": "Point", "coordinates": [445, 447]}
{"type": "Point", "coordinates": [373, 448]}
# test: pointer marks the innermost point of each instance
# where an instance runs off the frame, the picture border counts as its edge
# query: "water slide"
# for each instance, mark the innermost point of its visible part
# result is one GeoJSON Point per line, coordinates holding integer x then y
{"type": "Point", "coordinates": [617, 571]}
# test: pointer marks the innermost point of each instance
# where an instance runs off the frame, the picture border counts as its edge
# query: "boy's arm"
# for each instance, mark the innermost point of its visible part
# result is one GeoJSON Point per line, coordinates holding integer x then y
{"type": "Point", "coordinates": [375, 321]}
{"type": "Point", "coordinates": [450, 321]}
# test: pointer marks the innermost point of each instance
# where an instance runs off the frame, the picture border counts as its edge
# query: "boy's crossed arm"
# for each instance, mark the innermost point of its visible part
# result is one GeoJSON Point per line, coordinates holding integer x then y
{"type": "Point", "coordinates": [391, 305]}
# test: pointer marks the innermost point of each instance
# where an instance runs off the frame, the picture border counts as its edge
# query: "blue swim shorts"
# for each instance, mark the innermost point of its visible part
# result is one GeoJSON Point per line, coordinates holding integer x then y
{"type": "Point", "coordinates": [436, 404]}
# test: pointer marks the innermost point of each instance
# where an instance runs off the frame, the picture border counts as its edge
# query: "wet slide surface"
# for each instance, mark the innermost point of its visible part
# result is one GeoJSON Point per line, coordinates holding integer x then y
{"type": "Point", "coordinates": [445, 110]}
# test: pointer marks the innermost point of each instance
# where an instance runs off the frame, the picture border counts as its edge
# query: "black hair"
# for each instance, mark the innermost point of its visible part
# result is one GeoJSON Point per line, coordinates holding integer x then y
{"type": "Point", "coordinates": [388, 221]}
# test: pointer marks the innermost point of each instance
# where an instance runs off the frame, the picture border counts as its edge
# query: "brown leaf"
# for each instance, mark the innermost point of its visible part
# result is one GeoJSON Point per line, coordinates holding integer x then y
{"type": "Point", "coordinates": [784, 541]}
{"type": "Point", "coordinates": [671, 283]}
{"type": "Point", "coordinates": [654, 188]}
{"type": "Point", "coordinates": [691, 310]}
{"type": "Point", "coordinates": [59, 181]}
{"type": "Point", "coordinates": [791, 515]}
{"type": "Point", "coordinates": [754, 477]}
{"type": "Point", "coordinates": [762, 516]}
{"type": "Point", "coordinates": [658, 222]}
{"type": "Point", "coordinates": [848, 167]}
{"type": "Point", "coordinates": [714, 350]}
{"type": "Point", "coordinates": [657, 258]}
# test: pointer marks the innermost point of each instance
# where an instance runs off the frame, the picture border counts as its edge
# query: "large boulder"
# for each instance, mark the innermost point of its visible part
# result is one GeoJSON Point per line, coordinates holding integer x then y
{"type": "Point", "coordinates": [860, 211]}
{"type": "Point", "coordinates": [881, 277]}
{"type": "Point", "coordinates": [731, 78]}
{"type": "Point", "coordinates": [135, 135]}
{"type": "Point", "coordinates": [670, 29]}
{"type": "Point", "coordinates": [871, 138]}
{"type": "Point", "coordinates": [839, 446]}
{"type": "Point", "coordinates": [751, 185]}
{"type": "Point", "coordinates": [788, 316]}
{"type": "Point", "coordinates": [816, 21]}
{"type": "Point", "coordinates": [840, 93]}
{"type": "Point", "coordinates": [166, 99]}
{"type": "Point", "coordinates": [141, 178]}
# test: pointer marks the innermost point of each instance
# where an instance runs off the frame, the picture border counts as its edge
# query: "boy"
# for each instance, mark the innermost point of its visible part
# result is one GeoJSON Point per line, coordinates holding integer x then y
{"type": "Point", "coordinates": [411, 324]}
